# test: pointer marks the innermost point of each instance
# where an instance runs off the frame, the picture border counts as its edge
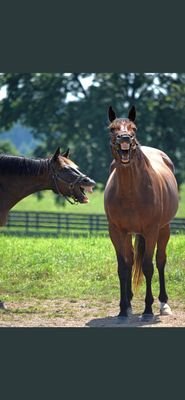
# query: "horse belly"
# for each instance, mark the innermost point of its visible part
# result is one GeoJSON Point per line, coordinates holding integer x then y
{"type": "Point", "coordinates": [169, 203]}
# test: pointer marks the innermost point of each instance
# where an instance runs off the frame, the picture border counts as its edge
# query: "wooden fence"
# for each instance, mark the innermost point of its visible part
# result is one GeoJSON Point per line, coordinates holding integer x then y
{"type": "Point", "coordinates": [58, 224]}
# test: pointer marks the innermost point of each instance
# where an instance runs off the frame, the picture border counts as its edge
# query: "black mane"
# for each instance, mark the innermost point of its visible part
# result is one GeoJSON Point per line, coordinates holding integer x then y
{"type": "Point", "coordinates": [22, 165]}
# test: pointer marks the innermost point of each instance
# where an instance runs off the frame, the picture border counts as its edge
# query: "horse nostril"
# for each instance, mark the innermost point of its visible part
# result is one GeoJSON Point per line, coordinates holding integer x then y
{"type": "Point", "coordinates": [125, 139]}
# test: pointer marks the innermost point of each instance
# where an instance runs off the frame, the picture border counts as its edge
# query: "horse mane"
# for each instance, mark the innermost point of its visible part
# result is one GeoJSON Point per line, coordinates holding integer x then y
{"type": "Point", "coordinates": [19, 165]}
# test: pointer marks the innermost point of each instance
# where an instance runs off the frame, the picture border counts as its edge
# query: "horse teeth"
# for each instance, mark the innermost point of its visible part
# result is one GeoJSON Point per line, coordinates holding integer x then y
{"type": "Point", "coordinates": [125, 146]}
{"type": "Point", "coordinates": [88, 188]}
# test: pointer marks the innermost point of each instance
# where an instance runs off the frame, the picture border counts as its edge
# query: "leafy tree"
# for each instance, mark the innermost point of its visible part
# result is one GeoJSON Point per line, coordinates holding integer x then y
{"type": "Point", "coordinates": [159, 124]}
{"type": "Point", "coordinates": [7, 147]}
{"type": "Point", "coordinates": [39, 101]}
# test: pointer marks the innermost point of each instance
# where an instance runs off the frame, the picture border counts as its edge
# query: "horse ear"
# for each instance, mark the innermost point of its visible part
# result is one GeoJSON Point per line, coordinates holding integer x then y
{"type": "Point", "coordinates": [132, 114]}
{"type": "Point", "coordinates": [112, 115]}
{"type": "Point", "coordinates": [57, 153]}
{"type": "Point", "coordinates": [66, 153]}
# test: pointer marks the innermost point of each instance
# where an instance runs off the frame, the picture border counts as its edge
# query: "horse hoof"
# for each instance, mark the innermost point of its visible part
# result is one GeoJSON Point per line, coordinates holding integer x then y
{"type": "Point", "coordinates": [146, 317]}
{"type": "Point", "coordinates": [2, 306]}
{"type": "Point", "coordinates": [122, 316]}
{"type": "Point", "coordinates": [165, 309]}
{"type": "Point", "coordinates": [129, 311]}
{"type": "Point", "coordinates": [121, 320]}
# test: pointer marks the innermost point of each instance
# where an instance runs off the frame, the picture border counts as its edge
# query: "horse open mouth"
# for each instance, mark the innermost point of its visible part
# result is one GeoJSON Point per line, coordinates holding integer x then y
{"type": "Point", "coordinates": [79, 193]}
{"type": "Point", "coordinates": [124, 152]}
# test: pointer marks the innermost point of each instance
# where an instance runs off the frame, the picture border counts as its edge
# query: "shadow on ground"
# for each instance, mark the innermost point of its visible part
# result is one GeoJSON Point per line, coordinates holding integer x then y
{"type": "Point", "coordinates": [132, 321]}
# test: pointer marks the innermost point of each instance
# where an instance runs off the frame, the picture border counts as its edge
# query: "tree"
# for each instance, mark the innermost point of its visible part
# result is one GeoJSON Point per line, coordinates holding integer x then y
{"type": "Point", "coordinates": [155, 96]}
{"type": "Point", "coordinates": [39, 101]}
{"type": "Point", "coordinates": [7, 147]}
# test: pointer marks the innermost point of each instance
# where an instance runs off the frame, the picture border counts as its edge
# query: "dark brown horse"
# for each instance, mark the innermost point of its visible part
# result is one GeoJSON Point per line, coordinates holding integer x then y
{"type": "Point", "coordinates": [20, 177]}
{"type": "Point", "coordinates": [141, 198]}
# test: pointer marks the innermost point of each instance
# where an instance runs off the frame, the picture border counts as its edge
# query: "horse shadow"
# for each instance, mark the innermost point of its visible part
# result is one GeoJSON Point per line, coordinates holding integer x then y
{"type": "Point", "coordinates": [133, 321]}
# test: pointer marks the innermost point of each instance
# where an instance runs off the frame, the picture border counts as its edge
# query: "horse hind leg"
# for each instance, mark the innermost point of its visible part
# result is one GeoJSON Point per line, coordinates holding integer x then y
{"type": "Point", "coordinates": [129, 289]}
{"type": "Point", "coordinates": [164, 235]}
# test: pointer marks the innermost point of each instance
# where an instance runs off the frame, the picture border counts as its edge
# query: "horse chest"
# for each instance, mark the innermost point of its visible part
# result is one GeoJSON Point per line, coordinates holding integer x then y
{"type": "Point", "coordinates": [133, 204]}
{"type": "Point", "coordinates": [130, 213]}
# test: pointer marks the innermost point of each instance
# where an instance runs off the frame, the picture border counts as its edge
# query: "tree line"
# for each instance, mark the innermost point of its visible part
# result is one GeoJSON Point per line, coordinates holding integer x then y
{"type": "Point", "coordinates": [41, 102]}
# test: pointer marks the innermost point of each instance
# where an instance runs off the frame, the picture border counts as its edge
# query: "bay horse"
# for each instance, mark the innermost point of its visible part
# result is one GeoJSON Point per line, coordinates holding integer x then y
{"type": "Point", "coordinates": [22, 176]}
{"type": "Point", "coordinates": [140, 198]}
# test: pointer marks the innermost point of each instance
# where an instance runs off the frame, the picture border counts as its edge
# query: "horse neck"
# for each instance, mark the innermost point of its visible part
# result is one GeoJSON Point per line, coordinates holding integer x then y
{"type": "Point", "coordinates": [14, 187]}
{"type": "Point", "coordinates": [32, 184]}
{"type": "Point", "coordinates": [130, 177]}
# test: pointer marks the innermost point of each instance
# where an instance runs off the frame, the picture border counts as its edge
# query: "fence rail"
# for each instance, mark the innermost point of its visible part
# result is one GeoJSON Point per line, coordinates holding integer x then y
{"type": "Point", "coordinates": [57, 224]}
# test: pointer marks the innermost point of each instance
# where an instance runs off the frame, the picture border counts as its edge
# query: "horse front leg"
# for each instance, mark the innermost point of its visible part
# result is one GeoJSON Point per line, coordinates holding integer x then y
{"type": "Point", "coordinates": [125, 278]}
{"type": "Point", "coordinates": [124, 253]}
{"type": "Point", "coordinates": [129, 259]}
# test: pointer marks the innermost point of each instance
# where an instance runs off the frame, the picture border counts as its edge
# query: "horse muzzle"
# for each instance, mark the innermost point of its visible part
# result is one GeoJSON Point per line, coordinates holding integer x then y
{"type": "Point", "coordinates": [80, 187]}
{"type": "Point", "coordinates": [123, 146]}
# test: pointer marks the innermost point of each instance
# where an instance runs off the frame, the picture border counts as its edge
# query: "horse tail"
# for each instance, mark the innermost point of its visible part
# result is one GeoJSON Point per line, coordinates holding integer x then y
{"type": "Point", "coordinates": [139, 249]}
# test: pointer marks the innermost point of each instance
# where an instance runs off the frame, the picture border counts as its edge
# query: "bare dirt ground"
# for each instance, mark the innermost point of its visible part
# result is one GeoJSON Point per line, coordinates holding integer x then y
{"type": "Point", "coordinates": [84, 313]}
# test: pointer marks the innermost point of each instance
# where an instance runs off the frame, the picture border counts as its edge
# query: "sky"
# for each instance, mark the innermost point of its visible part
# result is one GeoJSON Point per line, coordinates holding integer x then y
{"type": "Point", "coordinates": [86, 82]}
{"type": "Point", "coordinates": [3, 93]}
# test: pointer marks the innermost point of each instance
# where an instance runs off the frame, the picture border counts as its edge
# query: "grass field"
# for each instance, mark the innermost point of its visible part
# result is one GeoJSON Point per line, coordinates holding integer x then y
{"type": "Point", "coordinates": [75, 268]}
{"type": "Point", "coordinates": [48, 203]}
{"type": "Point", "coordinates": [95, 205]}
{"type": "Point", "coordinates": [181, 209]}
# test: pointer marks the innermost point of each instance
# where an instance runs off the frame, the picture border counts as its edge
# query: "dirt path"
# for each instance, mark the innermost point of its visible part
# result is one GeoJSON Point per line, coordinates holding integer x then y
{"type": "Point", "coordinates": [63, 313]}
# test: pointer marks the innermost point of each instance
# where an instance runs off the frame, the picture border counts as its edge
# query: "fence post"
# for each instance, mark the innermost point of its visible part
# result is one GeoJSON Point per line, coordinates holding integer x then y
{"type": "Point", "coordinates": [67, 222]}
{"type": "Point", "coordinates": [91, 223]}
{"type": "Point", "coordinates": [58, 223]}
{"type": "Point", "coordinates": [37, 220]}
{"type": "Point", "coordinates": [27, 221]}
{"type": "Point", "coordinates": [97, 222]}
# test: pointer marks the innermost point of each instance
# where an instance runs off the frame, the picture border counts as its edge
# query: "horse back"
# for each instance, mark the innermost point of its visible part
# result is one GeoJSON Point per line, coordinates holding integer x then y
{"type": "Point", "coordinates": [158, 158]}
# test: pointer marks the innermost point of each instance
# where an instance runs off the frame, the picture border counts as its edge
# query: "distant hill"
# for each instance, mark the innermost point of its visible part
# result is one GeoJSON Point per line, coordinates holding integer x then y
{"type": "Point", "coordinates": [22, 139]}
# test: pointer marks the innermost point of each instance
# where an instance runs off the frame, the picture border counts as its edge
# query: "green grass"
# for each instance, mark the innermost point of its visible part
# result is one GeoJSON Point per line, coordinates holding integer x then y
{"type": "Point", "coordinates": [75, 268]}
{"type": "Point", "coordinates": [48, 203]}
{"type": "Point", "coordinates": [181, 209]}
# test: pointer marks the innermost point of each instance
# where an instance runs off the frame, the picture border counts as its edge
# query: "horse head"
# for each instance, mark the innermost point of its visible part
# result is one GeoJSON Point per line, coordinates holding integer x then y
{"type": "Point", "coordinates": [123, 136]}
{"type": "Point", "coordinates": [69, 181]}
